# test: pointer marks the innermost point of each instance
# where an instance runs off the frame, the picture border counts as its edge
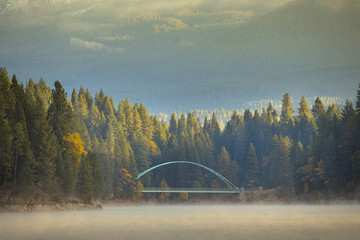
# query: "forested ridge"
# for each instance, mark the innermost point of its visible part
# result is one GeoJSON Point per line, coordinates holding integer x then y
{"type": "Point", "coordinates": [54, 146]}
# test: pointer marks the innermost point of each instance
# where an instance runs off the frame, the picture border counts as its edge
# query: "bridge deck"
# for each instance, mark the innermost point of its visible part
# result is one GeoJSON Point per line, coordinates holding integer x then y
{"type": "Point", "coordinates": [189, 190]}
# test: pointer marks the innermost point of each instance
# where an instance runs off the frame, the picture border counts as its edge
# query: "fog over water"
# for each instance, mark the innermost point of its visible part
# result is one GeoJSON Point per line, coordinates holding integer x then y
{"type": "Point", "coordinates": [188, 222]}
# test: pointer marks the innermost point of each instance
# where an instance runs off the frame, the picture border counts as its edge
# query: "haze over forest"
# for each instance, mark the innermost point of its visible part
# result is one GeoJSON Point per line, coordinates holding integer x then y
{"type": "Point", "coordinates": [183, 55]}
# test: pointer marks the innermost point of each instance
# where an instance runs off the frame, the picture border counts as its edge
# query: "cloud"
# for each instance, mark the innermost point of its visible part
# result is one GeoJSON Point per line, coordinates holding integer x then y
{"type": "Point", "coordinates": [93, 46]}
{"type": "Point", "coordinates": [335, 5]}
{"type": "Point", "coordinates": [255, 5]}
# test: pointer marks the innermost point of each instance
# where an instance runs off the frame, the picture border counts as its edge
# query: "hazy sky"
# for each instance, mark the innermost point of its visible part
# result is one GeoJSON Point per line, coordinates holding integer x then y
{"type": "Point", "coordinates": [165, 52]}
{"type": "Point", "coordinates": [136, 6]}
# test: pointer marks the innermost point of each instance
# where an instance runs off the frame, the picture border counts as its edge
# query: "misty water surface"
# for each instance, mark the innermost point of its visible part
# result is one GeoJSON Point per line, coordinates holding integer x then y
{"type": "Point", "coordinates": [188, 222]}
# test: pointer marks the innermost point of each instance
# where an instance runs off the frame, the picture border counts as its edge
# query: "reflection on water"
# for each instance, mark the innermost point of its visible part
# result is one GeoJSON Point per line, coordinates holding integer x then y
{"type": "Point", "coordinates": [188, 222]}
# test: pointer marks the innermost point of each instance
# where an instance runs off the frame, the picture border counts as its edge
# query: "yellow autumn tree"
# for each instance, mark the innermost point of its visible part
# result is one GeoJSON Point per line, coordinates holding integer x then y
{"type": "Point", "coordinates": [74, 147]}
{"type": "Point", "coordinates": [153, 149]}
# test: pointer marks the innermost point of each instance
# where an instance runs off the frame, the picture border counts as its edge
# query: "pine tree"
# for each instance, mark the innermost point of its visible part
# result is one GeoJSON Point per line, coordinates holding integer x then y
{"type": "Point", "coordinates": [228, 135]}
{"type": "Point", "coordinates": [146, 126]}
{"type": "Point", "coordinates": [60, 114]}
{"type": "Point", "coordinates": [224, 163]}
{"type": "Point", "coordinates": [82, 108]}
{"type": "Point", "coordinates": [247, 117]}
{"type": "Point", "coordinates": [19, 93]}
{"type": "Point", "coordinates": [136, 127]}
{"type": "Point", "coordinates": [141, 148]}
{"type": "Point", "coordinates": [81, 91]}
{"type": "Point", "coordinates": [97, 175]}
{"type": "Point", "coordinates": [181, 125]}
{"type": "Point", "coordinates": [95, 122]}
{"type": "Point", "coordinates": [357, 109]}
{"type": "Point", "coordinates": [124, 155]}
{"type": "Point", "coordinates": [7, 107]}
{"type": "Point", "coordinates": [24, 164]}
{"type": "Point", "coordinates": [6, 139]}
{"type": "Point", "coordinates": [100, 100]}
{"type": "Point", "coordinates": [215, 132]}
{"type": "Point", "coordinates": [349, 144]}
{"type": "Point", "coordinates": [278, 163]}
{"type": "Point", "coordinates": [44, 92]}
{"type": "Point", "coordinates": [173, 124]}
{"type": "Point", "coordinates": [318, 109]}
{"type": "Point", "coordinates": [332, 167]}
{"type": "Point", "coordinates": [287, 110]}
{"type": "Point", "coordinates": [304, 109]}
{"type": "Point", "coordinates": [240, 149]}
{"type": "Point", "coordinates": [206, 127]}
{"type": "Point", "coordinates": [284, 171]}
{"type": "Point", "coordinates": [110, 138]}
{"type": "Point", "coordinates": [85, 181]}
{"type": "Point", "coordinates": [127, 111]}
{"type": "Point", "coordinates": [356, 157]}
{"type": "Point", "coordinates": [172, 150]}
{"type": "Point", "coordinates": [108, 108]}
{"type": "Point", "coordinates": [252, 168]}
{"type": "Point", "coordinates": [183, 156]}
{"type": "Point", "coordinates": [159, 135]}
{"type": "Point", "coordinates": [297, 160]}
{"type": "Point", "coordinates": [89, 99]}
{"type": "Point", "coordinates": [30, 91]}
{"type": "Point", "coordinates": [306, 125]}
{"type": "Point", "coordinates": [192, 123]}
{"type": "Point", "coordinates": [172, 154]}
{"type": "Point", "coordinates": [43, 145]}
{"type": "Point", "coordinates": [234, 173]}
{"type": "Point", "coordinates": [74, 98]}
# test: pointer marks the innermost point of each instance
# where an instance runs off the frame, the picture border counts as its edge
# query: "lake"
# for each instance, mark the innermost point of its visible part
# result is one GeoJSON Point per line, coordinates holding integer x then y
{"type": "Point", "coordinates": [188, 222]}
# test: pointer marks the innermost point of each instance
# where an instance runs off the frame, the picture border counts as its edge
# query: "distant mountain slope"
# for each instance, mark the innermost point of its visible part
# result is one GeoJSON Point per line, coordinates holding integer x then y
{"type": "Point", "coordinates": [191, 57]}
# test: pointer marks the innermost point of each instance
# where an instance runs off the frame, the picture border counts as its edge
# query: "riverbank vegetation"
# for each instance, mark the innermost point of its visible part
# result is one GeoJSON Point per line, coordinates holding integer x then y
{"type": "Point", "coordinates": [54, 148]}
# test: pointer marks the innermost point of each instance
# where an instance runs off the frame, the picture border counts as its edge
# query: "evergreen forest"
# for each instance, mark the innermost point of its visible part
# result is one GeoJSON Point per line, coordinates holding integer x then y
{"type": "Point", "coordinates": [55, 146]}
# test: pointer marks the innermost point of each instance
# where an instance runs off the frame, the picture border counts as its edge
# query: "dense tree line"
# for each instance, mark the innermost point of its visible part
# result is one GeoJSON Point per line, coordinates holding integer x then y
{"type": "Point", "coordinates": [85, 146]}
{"type": "Point", "coordinates": [224, 115]}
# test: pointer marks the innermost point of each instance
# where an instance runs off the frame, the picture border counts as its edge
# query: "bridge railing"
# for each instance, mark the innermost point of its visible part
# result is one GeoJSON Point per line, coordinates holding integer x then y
{"type": "Point", "coordinates": [202, 190]}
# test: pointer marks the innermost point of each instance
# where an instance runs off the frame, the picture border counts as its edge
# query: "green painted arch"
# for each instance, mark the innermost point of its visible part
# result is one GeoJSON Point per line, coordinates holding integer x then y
{"type": "Point", "coordinates": [224, 179]}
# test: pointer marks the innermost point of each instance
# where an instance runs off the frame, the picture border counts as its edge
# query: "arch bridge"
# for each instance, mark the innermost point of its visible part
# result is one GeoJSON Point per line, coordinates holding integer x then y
{"type": "Point", "coordinates": [231, 187]}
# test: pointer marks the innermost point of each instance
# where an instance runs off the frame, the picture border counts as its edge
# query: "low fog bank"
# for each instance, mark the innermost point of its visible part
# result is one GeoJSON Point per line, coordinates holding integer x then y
{"type": "Point", "coordinates": [213, 221]}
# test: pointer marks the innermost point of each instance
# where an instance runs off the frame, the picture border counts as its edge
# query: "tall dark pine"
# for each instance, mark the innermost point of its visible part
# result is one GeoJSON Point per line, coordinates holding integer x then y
{"type": "Point", "coordinates": [60, 117]}
{"type": "Point", "coordinates": [43, 145]}
{"type": "Point", "coordinates": [60, 113]}
{"type": "Point", "coordinates": [349, 137]}
{"type": "Point", "coordinates": [7, 106]}
{"type": "Point", "coordinates": [23, 161]}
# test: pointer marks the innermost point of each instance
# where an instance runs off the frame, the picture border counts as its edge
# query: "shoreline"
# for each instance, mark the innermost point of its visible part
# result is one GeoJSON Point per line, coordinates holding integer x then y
{"type": "Point", "coordinates": [23, 208]}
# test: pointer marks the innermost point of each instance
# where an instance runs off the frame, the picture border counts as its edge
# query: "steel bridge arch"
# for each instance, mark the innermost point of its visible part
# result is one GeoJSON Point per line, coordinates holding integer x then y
{"type": "Point", "coordinates": [224, 179]}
